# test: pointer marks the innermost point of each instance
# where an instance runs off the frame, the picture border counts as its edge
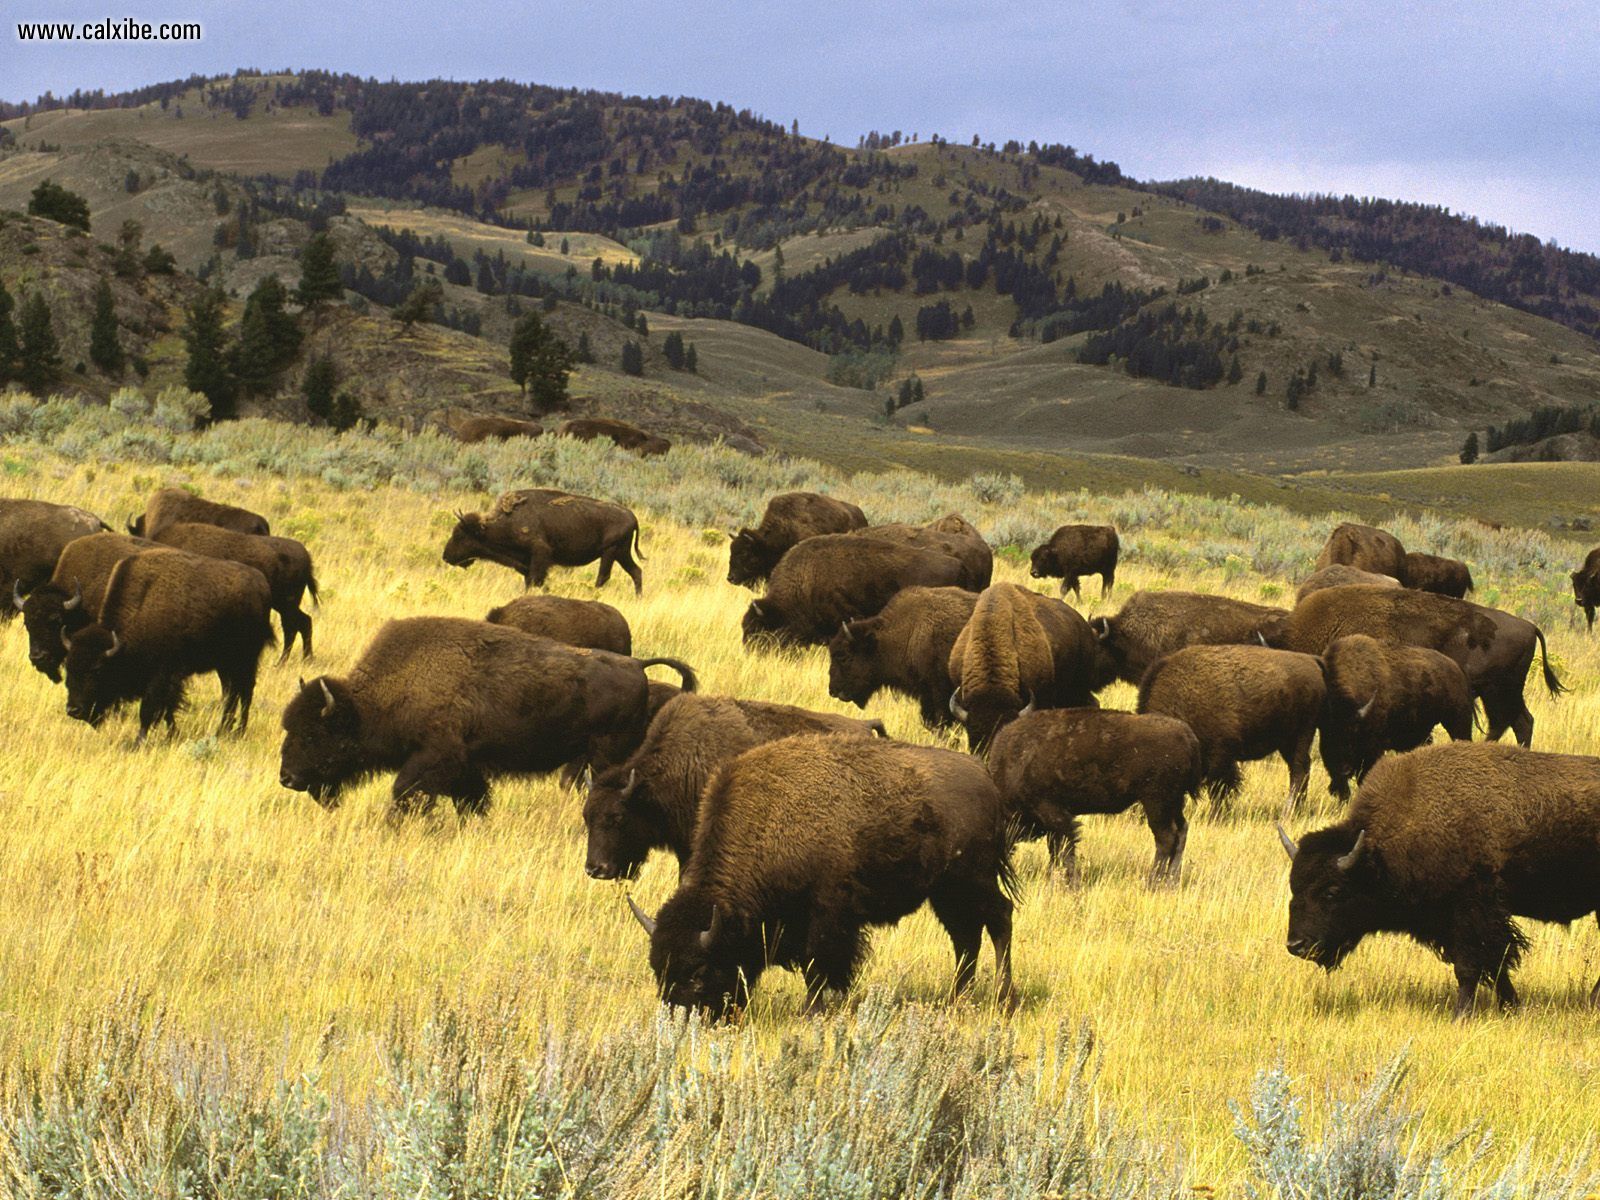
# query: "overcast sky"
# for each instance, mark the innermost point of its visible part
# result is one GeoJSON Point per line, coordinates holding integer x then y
{"type": "Point", "coordinates": [1491, 109]}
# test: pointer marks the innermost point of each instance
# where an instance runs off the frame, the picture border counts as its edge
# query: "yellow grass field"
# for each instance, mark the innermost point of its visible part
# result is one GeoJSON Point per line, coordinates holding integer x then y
{"type": "Point", "coordinates": [182, 875]}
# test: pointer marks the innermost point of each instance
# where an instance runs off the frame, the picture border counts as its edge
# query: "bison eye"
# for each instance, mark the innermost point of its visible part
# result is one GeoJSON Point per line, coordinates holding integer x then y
{"type": "Point", "coordinates": [1332, 892]}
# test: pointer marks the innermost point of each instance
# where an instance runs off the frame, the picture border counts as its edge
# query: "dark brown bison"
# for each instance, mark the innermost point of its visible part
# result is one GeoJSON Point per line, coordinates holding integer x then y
{"type": "Point", "coordinates": [1077, 550]}
{"type": "Point", "coordinates": [905, 648]}
{"type": "Point", "coordinates": [837, 577]}
{"type": "Point", "coordinates": [1340, 575]}
{"type": "Point", "coordinates": [1493, 648]}
{"type": "Point", "coordinates": [1053, 767]}
{"type": "Point", "coordinates": [652, 801]}
{"type": "Point", "coordinates": [448, 702]}
{"type": "Point", "coordinates": [57, 609]}
{"type": "Point", "coordinates": [1153, 624]}
{"type": "Point", "coordinates": [285, 562]}
{"type": "Point", "coordinates": [1444, 576]}
{"type": "Point", "coordinates": [629, 437]}
{"type": "Point", "coordinates": [1448, 844]}
{"type": "Point", "coordinates": [33, 533]}
{"type": "Point", "coordinates": [167, 615]}
{"type": "Point", "coordinates": [1586, 586]}
{"type": "Point", "coordinates": [481, 429]}
{"type": "Point", "coordinates": [612, 748]}
{"type": "Point", "coordinates": [1243, 703]}
{"type": "Point", "coordinates": [790, 518]}
{"type": "Point", "coordinates": [533, 530]}
{"type": "Point", "coordinates": [171, 505]}
{"type": "Point", "coordinates": [805, 843]}
{"type": "Point", "coordinates": [576, 622]}
{"type": "Point", "coordinates": [1383, 698]}
{"type": "Point", "coordinates": [1019, 651]}
{"type": "Point", "coordinates": [953, 535]}
{"type": "Point", "coordinates": [1362, 546]}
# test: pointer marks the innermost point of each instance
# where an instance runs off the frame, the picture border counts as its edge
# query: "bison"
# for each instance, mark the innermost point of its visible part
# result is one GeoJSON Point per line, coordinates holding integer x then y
{"type": "Point", "coordinates": [1243, 703]}
{"type": "Point", "coordinates": [1444, 576]}
{"type": "Point", "coordinates": [532, 530]}
{"type": "Point", "coordinates": [1384, 698]}
{"type": "Point", "coordinates": [1018, 651]}
{"type": "Point", "coordinates": [1077, 550]}
{"type": "Point", "coordinates": [628, 437]}
{"type": "Point", "coordinates": [610, 749]}
{"type": "Point", "coordinates": [1362, 546]}
{"type": "Point", "coordinates": [1053, 767]}
{"type": "Point", "coordinates": [1447, 845]}
{"type": "Point", "coordinates": [575, 622]}
{"type": "Point", "coordinates": [1493, 648]}
{"type": "Point", "coordinates": [481, 429]}
{"type": "Point", "coordinates": [54, 611]}
{"type": "Point", "coordinates": [172, 505]}
{"type": "Point", "coordinates": [33, 533]}
{"type": "Point", "coordinates": [285, 562]}
{"type": "Point", "coordinates": [805, 843]}
{"type": "Point", "coordinates": [953, 535]}
{"type": "Point", "coordinates": [905, 648]}
{"type": "Point", "coordinates": [836, 577]}
{"type": "Point", "coordinates": [1340, 575]}
{"type": "Point", "coordinates": [447, 702]}
{"type": "Point", "coordinates": [790, 518]}
{"type": "Point", "coordinates": [167, 615]}
{"type": "Point", "coordinates": [1586, 586]}
{"type": "Point", "coordinates": [1153, 624]}
{"type": "Point", "coordinates": [652, 800]}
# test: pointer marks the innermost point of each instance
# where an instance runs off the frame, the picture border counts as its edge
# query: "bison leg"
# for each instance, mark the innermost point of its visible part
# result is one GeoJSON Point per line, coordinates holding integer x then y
{"type": "Point", "coordinates": [1108, 580]}
{"type": "Point", "coordinates": [160, 702]}
{"type": "Point", "coordinates": [295, 624]}
{"type": "Point", "coordinates": [966, 908]}
{"type": "Point", "coordinates": [832, 952]}
{"type": "Point", "coordinates": [624, 559]}
{"type": "Point", "coordinates": [1063, 850]}
{"type": "Point", "coordinates": [1171, 832]}
{"type": "Point", "coordinates": [1588, 611]}
{"type": "Point", "coordinates": [440, 772]}
{"type": "Point", "coordinates": [1297, 757]}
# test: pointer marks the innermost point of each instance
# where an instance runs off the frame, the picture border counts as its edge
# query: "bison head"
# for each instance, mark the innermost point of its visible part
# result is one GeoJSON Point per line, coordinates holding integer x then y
{"type": "Point", "coordinates": [618, 815]}
{"type": "Point", "coordinates": [51, 615]}
{"type": "Point", "coordinates": [1335, 890]}
{"type": "Point", "coordinates": [750, 557]}
{"type": "Point", "coordinates": [761, 621]}
{"type": "Point", "coordinates": [100, 674]}
{"type": "Point", "coordinates": [852, 661]}
{"type": "Point", "coordinates": [984, 713]}
{"type": "Point", "coordinates": [696, 956]}
{"type": "Point", "coordinates": [321, 741]}
{"type": "Point", "coordinates": [466, 544]}
{"type": "Point", "coordinates": [1045, 565]}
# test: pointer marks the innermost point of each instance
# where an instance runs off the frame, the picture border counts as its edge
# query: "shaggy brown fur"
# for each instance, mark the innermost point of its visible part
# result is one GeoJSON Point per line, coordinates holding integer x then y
{"type": "Point", "coordinates": [652, 801]}
{"type": "Point", "coordinates": [448, 702]}
{"type": "Point", "coordinates": [1447, 844]}
{"type": "Point", "coordinates": [1586, 586]}
{"type": "Point", "coordinates": [1340, 575]}
{"type": "Point", "coordinates": [171, 505]}
{"type": "Point", "coordinates": [1363, 546]}
{"type": "Point", "coordinates": [56, 610]}
{"type": "Point", "coordinates": [1077, 550]}
{"type": "Point", "coordinates": [532, 530]}
{"type": "Point", "coordinates": [1384, 698]}
{"type": "Point", "coordinates": [790, 518]}
{"type": "Point", "coordinates": [1243, 703]}
{"type": "Point", "coordinates": [1152, 624]}
{"type": "Point", "coordinates": [588, 623]}
{"type": "Point", "coordinates": [805, 843]}
{"type": "Point", "coordinates": [285, 562]}
{"type": "Point", "coordinates": [953, 535]}
{"type": "Point", "coordinates": [1053, 767]}
{"type": "Point", "coordinates": [481, 429]}
{"type": "Point", "coordinates": [629, 437]}
{"type": "Point", "coordinates": [33, 534]}
{"type": "Point", "coordinates": [1444, 576]}
{"type": "Point", "coordinates": [905, 648]}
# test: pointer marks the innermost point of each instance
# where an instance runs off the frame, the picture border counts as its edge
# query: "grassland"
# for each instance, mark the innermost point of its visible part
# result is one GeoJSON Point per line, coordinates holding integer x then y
{"type": "Point", "coordinates": [175, 896]}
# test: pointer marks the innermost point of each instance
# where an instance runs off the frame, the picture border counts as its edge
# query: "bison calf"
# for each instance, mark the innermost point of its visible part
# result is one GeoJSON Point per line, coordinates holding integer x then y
{"type": "Point", "coordinates": [1077, 550]}
{"type": "Point", "coordinates": [576, 622]}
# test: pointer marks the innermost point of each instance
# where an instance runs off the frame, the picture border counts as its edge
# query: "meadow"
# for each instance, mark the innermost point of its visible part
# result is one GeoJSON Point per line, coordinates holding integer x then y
{"type": "Point", "coordinates": [210, 986]}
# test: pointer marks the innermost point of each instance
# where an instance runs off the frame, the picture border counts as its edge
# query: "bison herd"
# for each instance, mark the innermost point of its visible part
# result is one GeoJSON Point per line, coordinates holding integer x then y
{"type": "Point", "coordinates": [797, 831]}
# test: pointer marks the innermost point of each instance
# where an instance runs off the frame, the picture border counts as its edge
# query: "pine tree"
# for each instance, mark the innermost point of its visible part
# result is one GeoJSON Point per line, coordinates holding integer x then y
{"type": "Point", "coordinates": [127, 259]}
{"type": "Point", "coordinates": [9, 350]}
{"type": "Point", "coordinates": [540, 363]}
{"type": "Point", "coordinates": [318, 387]}
{"type": "Point", "coordinates": [897, 330]}
{"type": "Point", "coordinates": [105, 351]}
{"type": "Point", "coordinates": [38, 351]}
{"type": "Point", "coordinates": [1372, 376]}
{"type": "Point", "coordinates": [55, 203]}
{"type": "Point", "coordinates": [672, 348]}
{"type": "Point", "coordinates": [640, 324]}
{"type": "Point", "coordinates": [1235, 371]}
{"type": "Point", "coordinates": [419, 305]}
{"type": "Point", "coordinates": [566, 246]}
{"type": "Point", "coordinates": [207, 371]}
{"type": "Point", "coordinates": [1261, 384]}
{"type": "Point", "coordinates": [319, 274]}
{"type": "Point", "coordinates": [268, 336]}
{"type": "Point", "coordinates": [632, 358]}
{"type": "Point", "coordinates": [1469, 450]}
{"type": "Point", "coordinates": [583, 353]}
{"type": "Point", "coordinates": [691, 359]}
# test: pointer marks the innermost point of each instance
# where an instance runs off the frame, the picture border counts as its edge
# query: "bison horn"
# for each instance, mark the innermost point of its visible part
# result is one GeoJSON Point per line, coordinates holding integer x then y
{"type": "Point", "coordinates": [755, 607]}
{"type": "Point", "coordinates": [709, 936]}
{"type": "Point", "coordinates": [645, 918]}
{"type": "Point", "coordinates": [633, 780]}
{"type": "Point", "coordinates": [1028, 707]}
{"type": "Point", "coordinates": [16, 594]}
{"type": "Point", "coordinates": [327, 698]}
{"type": "Point", "coordinates": [1345, 861]}
{"type": "Point", "coordinates": [1101, 627]}
{"type": "Point", "coordinates": [77, 597]}
{"type": "Point", "coordinates": [66, 638]}
{"type": "Point", "coordinates": [116, 644]}
{"type": "Point", "coordinates": [1361, 713]}
{"type": "Point", "coordinates": [956, 710]}
{"type": "Point", "coordinates": [844, 626]}
{"type": "Point", "coordinates": [1261, 637]}
{"type": "Point", "coordinates": [1289, 847]}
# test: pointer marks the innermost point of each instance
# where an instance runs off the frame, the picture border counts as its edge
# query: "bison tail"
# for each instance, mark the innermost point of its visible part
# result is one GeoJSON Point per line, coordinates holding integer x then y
{"type": "Point", "coordinates": [638, 554]}
{"type": "Point", "coordinates": [690, 682]}
{"type": "Point", "coordinates": [1550, 680]}
{"type": "Point", "coordinates": [311, 586]}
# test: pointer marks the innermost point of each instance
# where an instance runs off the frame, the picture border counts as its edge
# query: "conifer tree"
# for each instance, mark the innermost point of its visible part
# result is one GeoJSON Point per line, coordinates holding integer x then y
{"type": "Point", "coordinates": [319, 274]}
{"type": "Point", "coordinates": [632, 358]}
{"type": "Point", "coordinates": [268, 336]}
{"type": "Point", "coordinates": [207, 371]}
{"type": "Point", "coordinates": [105, 351]}
{"type": "Point", "coordinates": [540, 363]}
{"type": "Point", "coordinates": [9, 350]}
{"type": "Point", "coordinates": [38, 351]}
{"type": "Point", "coordinates": [691, 359]}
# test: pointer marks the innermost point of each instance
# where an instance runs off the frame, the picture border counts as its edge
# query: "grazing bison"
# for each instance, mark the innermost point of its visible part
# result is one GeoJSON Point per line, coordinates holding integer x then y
{"type": "Point", "coordinates": [448, 702]}
{"type": "Point", "coordinates": [1444, 576]}
{"type": "Point", "coordinates": [652, 801]}
{"type": "Point", "coordinates": [167, 615]}
{"type": "Point", "coordinates": [575, 622]}
{"type": "Point", "coordinates": [481, 429]}
{"type": "Point", "coordinates": [1053, 767]}
{"type": "Point", "coordinates": [629, 437]}
{"type": "Point", "coordinates": [33, 533]}
{"type": "Point", "coordinates": [1340, 575]}
{"type": "Point", "coordinates": [1447, 844]}
{"type": "Point", "coordinates": [1363, 546]}
{"type": "Point", "coordinates": [285, 562]}
{"type": "Point", "coordinates": [790, 518]}
{"type": "Point", "coordinates": [1384, 698]}
{"type": "Point", "coordinates": [612, 748]}
{"type": "Point", "coordinates": [1153, 624]}
{"type": "Point", "coordinates": [1586, 586]}
{"type": "Point", "coordinates": [1019, 651]}
{"type": "Point", "coordinates": [1493, 648]}
{"type": "Point", "coordinates": [55, 610]}
{"type": "Point", "coordinates": [1077, 550]}
{"type": "Point", "coordinates": [836, 577]}
{"type": "Point", "coordinates": [905, 648]}
{"type": "Point", "coordinates": [1243, 703]}
{"type": "Point", "coordinates": [805, 843]}
{"type": "Point", "coordinates": [953, 535]}
{"type": "Point", "coordinates": [172, 505]}
{"type": "Point", "coordinates": [533, 530]}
